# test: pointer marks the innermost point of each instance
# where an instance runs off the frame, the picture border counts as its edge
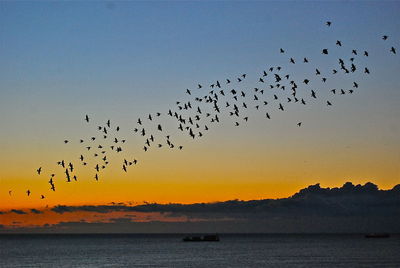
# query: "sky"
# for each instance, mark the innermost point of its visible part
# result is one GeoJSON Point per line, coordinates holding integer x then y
{"type": "Point", "coordinates": [120, 61]}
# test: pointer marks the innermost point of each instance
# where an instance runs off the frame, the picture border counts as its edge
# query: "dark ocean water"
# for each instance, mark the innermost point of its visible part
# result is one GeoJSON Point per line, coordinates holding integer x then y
{"type": "Point", "coordinates": [234, 250]}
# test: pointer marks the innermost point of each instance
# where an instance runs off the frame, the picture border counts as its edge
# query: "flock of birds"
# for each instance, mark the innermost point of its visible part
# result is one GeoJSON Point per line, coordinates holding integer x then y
{"type": "Point", "coordinates": [205, 106]}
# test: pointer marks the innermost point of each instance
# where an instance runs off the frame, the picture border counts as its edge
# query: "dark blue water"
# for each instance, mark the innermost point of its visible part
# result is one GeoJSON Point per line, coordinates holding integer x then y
{"type": "Point", "coordinates": [169, 251]}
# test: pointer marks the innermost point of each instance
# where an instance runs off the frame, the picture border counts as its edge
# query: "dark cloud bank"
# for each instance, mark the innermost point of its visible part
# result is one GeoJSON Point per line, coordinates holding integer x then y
{"type": "Point", "coordinates": [350, 208]}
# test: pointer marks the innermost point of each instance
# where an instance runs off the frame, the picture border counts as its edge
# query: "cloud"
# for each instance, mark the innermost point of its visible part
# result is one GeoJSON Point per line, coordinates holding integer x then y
{"type": "Point", "coordinates": [348, 200]}
{"type": "Point", "coordinates": [35, 211]}
{"type": "Point", "coordinates": [350, 208]}
{"type": "Point", "coordinates": [99, 209]}
{"type": "Point", "coordinates": [17, 211]}
{"type": "Point", "coordinates": [121, 220]}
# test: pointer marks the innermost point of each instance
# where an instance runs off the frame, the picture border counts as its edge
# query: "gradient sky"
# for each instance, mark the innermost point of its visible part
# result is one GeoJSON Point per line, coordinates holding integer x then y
{"type": "Point", "coordinates": [124, 60]}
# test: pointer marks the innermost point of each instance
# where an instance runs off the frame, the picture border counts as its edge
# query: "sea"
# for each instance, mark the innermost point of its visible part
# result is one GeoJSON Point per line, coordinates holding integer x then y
{"type": "Point", "coordinates": [168, 250]}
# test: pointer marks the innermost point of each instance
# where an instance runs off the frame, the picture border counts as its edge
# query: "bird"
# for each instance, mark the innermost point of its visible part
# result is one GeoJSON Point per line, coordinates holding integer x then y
{"type": "Point", "coordinates": [385, 37]}
{"type": "Point", "coordinates": [299, 124]}
{"type": "Point", "coordinates": [328, 23]}
{"type": "Point", "coordinates": [87, 118]}
{"type": "Point", "coordinates": [39, 170]}
{"type": "Point", "coordinates": [313, 94]}
{"type": "Point", "coordinates": [325, 51]}
{"type": "Point", "coordinates": [393, 50]}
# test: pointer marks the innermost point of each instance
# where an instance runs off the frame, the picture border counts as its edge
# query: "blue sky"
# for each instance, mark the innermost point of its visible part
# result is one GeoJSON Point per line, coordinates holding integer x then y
{"type": "Point", "coordinates": [122, 60]}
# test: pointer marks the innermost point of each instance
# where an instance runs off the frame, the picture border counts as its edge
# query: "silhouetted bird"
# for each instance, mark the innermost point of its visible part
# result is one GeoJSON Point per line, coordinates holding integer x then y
{"type": "Point", "coordinates": [313, 94]}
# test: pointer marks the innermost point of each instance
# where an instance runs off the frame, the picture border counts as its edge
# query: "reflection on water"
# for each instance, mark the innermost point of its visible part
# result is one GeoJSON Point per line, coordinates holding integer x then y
{"type": "Point", "coordinates": [168, 250]}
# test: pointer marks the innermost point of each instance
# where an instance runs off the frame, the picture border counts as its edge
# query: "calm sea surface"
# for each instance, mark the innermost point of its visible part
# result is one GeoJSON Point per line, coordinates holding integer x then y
{"type": "Point", "coordinates": [233, 250]}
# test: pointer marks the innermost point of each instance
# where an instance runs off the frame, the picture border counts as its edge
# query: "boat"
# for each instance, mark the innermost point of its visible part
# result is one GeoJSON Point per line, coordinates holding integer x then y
{"type": "Point", "coordinates": [204, 238]}
{"type": "Point", "coordinates": [377, 235]}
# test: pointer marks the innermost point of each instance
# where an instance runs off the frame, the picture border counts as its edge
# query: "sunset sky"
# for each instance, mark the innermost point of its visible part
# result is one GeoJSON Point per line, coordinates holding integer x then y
{"type": "Point", "coordinates": [120, 61]}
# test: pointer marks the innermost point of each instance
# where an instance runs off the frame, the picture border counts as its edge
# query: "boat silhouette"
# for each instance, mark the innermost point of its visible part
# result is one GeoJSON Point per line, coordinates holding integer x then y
{"type": "Point", "coordinates": [204, 238]}
{"type": "Point", "coordinates": [377, 235]}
